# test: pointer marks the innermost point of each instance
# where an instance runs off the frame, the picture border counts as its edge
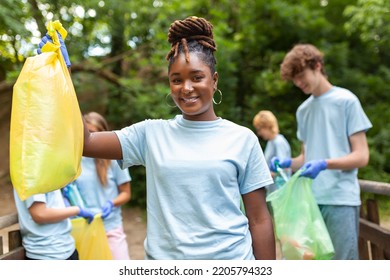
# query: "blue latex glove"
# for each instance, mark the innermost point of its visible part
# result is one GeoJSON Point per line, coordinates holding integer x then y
{"type": "Point", "coordinates": [63, 48]}
{"type": "Point", "coordinates": [283, 163]}
{"type": "Point", "coordinates": [107, 209]}
{"type": "Point", "coordinates": [86, 213]}
{"type": "Point", "coordinates": [312, 168]}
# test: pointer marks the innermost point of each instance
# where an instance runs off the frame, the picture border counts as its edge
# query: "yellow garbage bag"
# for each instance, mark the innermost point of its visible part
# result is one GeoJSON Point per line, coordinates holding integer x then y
{"type": "Point", "coordinates": [91, 240]}
{"type": "Point", "coordinates": [46, 130]}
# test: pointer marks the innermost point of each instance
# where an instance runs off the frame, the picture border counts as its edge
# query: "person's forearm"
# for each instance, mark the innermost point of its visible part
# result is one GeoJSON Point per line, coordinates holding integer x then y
{"type": "Point", "coordinates": [348, 162]}
{"type": "Point", "coordinates": [297, 162]}
{"type": "Point", "coordinates": [121, 199]}
{"type": "Point", "coordinates": [263, 239]}
{"type": "Point", "coordinates": [54, 215]}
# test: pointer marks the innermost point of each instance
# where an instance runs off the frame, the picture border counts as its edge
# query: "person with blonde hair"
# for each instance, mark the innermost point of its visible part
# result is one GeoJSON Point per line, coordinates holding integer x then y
{"type": "Point", "coordinates": [105, 187]}
{"type": "Point", "coordinates": [45, 226]}
{"type": "Point", "coordinates": [267, 127]}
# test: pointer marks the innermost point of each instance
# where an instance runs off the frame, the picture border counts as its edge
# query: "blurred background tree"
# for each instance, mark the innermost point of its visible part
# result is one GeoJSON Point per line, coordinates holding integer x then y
{"type": "Point", "coordinates": [118, 50]}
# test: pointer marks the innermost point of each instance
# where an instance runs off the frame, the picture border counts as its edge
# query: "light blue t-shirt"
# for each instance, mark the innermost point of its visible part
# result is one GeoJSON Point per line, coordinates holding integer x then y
{"type": "Point", "coordinates": [95, 195]}
{"type": "Point", "coordinates": [277, 147]}
{"type": "Point", "coordinates": [45, 241]}
{"type": "Point", "coordinates": [196, 172]}
{"type": "Point", "coordinates": [325, 124]}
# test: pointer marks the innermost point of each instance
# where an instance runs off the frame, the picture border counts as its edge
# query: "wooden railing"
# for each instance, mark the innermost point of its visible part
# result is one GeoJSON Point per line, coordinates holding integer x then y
{"type": "Point", "coordinates": [374, 240]}
{"type": "Point", "coordinates": [14, 244]}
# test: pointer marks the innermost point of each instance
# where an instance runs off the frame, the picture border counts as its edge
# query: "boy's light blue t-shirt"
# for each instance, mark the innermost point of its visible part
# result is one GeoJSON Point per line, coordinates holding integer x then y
{"type": "Point", "coordinates": [325, 124]}
{"type": "Point", "coordinates": [51, 241]}
{"type": "Point", "coordinates": [277, 147]}
{"type": "Point", "coordinates": [95, 195]}
{"type": "Point", "coordinates": [196, 172]}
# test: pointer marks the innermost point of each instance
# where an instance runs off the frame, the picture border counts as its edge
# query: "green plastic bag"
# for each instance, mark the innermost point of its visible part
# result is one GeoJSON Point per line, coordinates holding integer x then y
{"type": "Point", "coordinates": [298, 222]}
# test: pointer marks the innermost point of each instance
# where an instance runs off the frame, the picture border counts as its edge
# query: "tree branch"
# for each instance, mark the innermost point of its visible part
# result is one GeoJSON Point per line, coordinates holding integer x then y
{"type": "Point", "coordinates": [105, 74]}
{"type": "Point", "coordinates": [5, 87]}
{"type": "Point", "coordinates": [81, 67]}
{"type": "Point", "coordinates": [37, 15]}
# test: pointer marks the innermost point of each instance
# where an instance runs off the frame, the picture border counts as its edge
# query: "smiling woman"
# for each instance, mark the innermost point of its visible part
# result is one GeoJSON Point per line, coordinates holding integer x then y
{"type": "Point", "coordinates": [191, 71]}
{"type": "Point", "coordinates": [192, 88]}
{"type": "Point", "coordinates": [198, 165]}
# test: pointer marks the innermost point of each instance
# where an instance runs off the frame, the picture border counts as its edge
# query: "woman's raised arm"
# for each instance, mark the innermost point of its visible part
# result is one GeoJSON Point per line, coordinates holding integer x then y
{"type": "Point", "coordinates": [104, 144]}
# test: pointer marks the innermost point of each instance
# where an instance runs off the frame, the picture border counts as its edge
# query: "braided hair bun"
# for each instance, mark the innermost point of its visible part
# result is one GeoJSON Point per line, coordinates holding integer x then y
{"type": "Point", "coordinates": [192, 34]}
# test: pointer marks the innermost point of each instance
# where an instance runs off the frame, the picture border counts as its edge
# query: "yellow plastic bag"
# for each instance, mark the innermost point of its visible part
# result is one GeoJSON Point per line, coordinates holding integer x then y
{"type": "Point", "coordinates": [46, 132]}
{"type": "Point", "coordinates": [91, 240]}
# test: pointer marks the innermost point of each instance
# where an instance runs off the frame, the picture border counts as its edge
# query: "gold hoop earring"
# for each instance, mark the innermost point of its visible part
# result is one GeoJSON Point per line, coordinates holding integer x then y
{"type": "Point", "coordinates": [167, 102]}
{"type": "Point", "coordinates": [220, 99]}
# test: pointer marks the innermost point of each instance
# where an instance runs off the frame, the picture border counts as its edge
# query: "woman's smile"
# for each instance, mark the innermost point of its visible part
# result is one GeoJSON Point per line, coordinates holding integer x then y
{"type": "Point", "coordinates": [192, 87]}
{"type": "Point", "coordinates": [189, 100]}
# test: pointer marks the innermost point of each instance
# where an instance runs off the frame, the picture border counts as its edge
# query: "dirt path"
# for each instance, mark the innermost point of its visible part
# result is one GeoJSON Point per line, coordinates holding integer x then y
{"type": "Point", "coordinates": [135, 228]}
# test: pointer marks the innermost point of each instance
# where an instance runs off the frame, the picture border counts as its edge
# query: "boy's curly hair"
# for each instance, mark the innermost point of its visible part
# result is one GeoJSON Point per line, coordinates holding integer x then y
{"type": "Point", "coordinates": [299, 58]}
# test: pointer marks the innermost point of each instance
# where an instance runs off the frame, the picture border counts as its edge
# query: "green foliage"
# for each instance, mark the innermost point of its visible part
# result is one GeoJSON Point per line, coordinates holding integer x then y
{"type": "Point", "coordinates": [369, 18]}
{"type": "Point", "coordinates": [118, 51]}
{"type": "Point", "coordinates": [14, 37]}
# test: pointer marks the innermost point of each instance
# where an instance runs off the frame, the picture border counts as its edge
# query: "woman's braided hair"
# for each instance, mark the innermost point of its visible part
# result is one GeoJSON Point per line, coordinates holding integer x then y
{"type": "Point", "coordinates": [192, 34]}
